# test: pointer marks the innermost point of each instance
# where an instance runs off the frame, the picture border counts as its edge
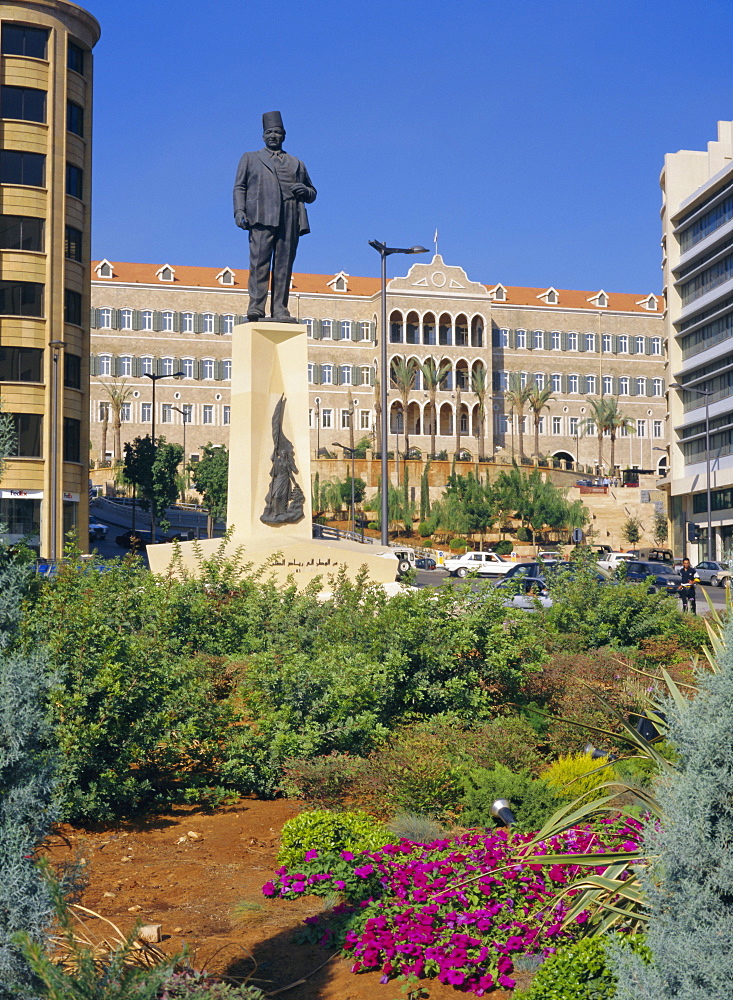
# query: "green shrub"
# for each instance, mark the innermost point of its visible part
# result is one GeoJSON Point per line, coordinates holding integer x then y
{"type": "Point", "coordinates": [523, 535]}
{"type": "Point", "coordinates": [330, 832]}
{"type": "Point", "coordinates": [579, 971]}
{"type": "Point", "coordinates": [425, 529]}
{"type": "Point", "coordinates": [574, 775]}
{"type": "Point", "coordinates": [322, 781]}
{"type": "Point", "coordinates": [419, 829]}
{"type": "Point", "coordinates": [458, 543]}
{"type": "Point", "coordinates": [504, 547]}
{"type": "Point", "coordinates": [532, 800]}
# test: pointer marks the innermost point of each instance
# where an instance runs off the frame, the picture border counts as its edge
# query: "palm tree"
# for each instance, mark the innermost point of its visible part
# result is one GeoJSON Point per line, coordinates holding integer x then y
{"type": "Point", "coordinates": [458, 420]}
{"type": "Point", "coordinates": [538, 400]}
{"type": "Point", "coordinates": [432, 377]}
{"type": "Point", "coordinates": [616, 421]}
{"type": "Point", "coordinates": [597, 423]}
{"type": "Point", "coordinates": [402, 374]}
{"type": "Point", "coordinates": [104, 407]}
{"type": "Point", "coordinates": [119, 393]}
{"type": "Point", "coordinates": [518, 397]}
{"type": "Point", "coordinates": [480, 387]}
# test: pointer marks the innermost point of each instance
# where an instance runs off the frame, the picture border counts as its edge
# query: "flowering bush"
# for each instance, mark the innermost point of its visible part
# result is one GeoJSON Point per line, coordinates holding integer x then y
{"type": "Point", "coordinates": [457, 909]}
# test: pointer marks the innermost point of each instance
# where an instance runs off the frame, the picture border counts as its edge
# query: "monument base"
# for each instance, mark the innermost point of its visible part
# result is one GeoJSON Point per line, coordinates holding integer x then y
{"type": "Point", "coordinates": [299, 560]}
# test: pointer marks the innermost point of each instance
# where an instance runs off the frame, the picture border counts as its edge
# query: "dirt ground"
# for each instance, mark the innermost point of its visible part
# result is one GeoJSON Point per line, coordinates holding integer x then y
{"type": "Point", "coordinates": [200, 876]}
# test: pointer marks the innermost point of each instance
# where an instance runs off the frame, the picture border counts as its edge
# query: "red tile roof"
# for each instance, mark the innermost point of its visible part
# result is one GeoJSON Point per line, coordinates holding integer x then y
{"type": "Point", "coordinates": [317, 284]}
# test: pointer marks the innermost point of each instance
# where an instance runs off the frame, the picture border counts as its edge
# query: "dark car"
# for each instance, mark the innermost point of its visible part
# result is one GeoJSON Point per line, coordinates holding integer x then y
{"type": "Point", "coordinates": [660, 576]}
{"type": "Point", "coordinates": [137, 539]}
{"type": "Point", "coordinates": [546, 570]}
{"type": "Point", "coordinates": [425, 562]}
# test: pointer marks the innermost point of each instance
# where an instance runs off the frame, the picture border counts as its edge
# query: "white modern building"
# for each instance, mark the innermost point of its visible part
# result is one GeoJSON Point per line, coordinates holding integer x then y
{"type": "Point", "coordinates": [697, 247]}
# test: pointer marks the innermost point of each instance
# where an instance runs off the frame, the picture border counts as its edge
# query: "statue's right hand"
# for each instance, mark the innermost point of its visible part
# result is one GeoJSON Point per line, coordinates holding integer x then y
{"type": "Point", "coordinates": [241, 219]}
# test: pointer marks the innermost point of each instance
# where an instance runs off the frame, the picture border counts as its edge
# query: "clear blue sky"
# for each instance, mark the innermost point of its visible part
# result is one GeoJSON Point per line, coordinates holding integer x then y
{"type": "Point", "coordinates": [531, 134]}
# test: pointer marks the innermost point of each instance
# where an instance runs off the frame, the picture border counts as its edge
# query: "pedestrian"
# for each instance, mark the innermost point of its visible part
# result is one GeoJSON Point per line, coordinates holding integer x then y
{"type": "Point", "coordinates": [687, 586]}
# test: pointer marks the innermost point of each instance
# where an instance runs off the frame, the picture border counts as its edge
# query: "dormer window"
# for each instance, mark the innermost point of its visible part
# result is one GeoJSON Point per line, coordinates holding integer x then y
{"type": "Point", "coordinates": [498, 293]}
{"type": "Point", "coordinates": [104, 269]}
{"type": "Point", "coordinates": [226, 277]}
{"type": "Point", "coordinates": [339, 282]}
{"type": "Point", "coordinates": [599, 300]}
{"type": "Point", "coordinates": [165, 273]}
{"type": "Point", "coordinates": [650, 303]}
{"type": "Point", "coordinates": [550, 297]}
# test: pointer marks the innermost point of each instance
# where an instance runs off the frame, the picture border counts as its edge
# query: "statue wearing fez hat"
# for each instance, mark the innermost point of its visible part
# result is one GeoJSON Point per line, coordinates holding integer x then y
{"type": "Point", "coordinates": [271, 191]}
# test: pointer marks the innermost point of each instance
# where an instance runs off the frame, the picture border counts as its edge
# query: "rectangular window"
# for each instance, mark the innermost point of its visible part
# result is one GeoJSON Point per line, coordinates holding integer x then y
{"type": "Point", "coordinates": [227, 323]}
{"type": "Point", "coordinates": [187, 323]}
{"type": "Point", "coordinates": [147, 366]}
{"type": "Point", "coordinates": [72, 440]}
{"type": "Point", "coordinates": [28, 169]}
{"type": "Point", "coordinates": [503, 381]}
{"type": "Point", "coordinates": [365, 371]}
{"type": "Point", "coordinates": [345, 419]}
{"type": "Point", "coordinates": [74, 180]}
{"type": "Point", "coordinates": [208, 322]}
{"type": "Point", "coordinates": [187, 367]}
{"type": "Point", "coordinates": [503, 338]}
{"type": "Point", "coordinates": [572, 342]}
{"type": "Point", "coordinates": [72, 371]}
{"type": "Point", "coordinates": [657, 428]}
{"type": "Point", "coordinates": [104, 412]}
{"type": "Point", "coordinates": [556, 382]}
{"type": "Point", "coordinates": [345, 374]}
{"type": "Point", "coordinates": [541, 427]}
{"type": "Point", "coordinates": [167, 322]}
{"type": "Point", "coordinates": [641, 428]}
{"type": "Point", "coordinates": [590, 383]}
{"type": "Point", "coordinates": [573, 426]}
{"type": "Point", "coordinates": [326, 329]}
{"type": "Point", "coordinates": [521, 338]}
{"type": "Point", "coordinates": [147, 319]}
{"type": "Point", "coordinates": [505, 425]}
{"type": "Point", "coordinates": [72, 243]}
{"type": "Point", "coordinates": [19, 232]}
{"type": "Point", "coordinates": [167, 366]}
{"type": "Point", "coordinates": [640, 345]}
{"type": "Point", "coordinates": [572, 383]}
{"type": "Point", "coordinates": [187, 412]}
{"type": "Point", "coordinates": [590, 342]}
{"type": "Point", "coordinates": [74, 118]}
{"type": "Point", "coordinates": [72, 307]}
{"type": "Point", "coordinates": [226, 414]}
{"type": "Point", "coordinates": [327, 418]}
{"type": "Point", "coordinates": [75, 58]}
{"type": "Point", "coordinates": [658, 387]}
{"type": "Point", "coordinates": [539, 340]}
{"type": "Point", "coordinates": [607, 343]}
{"type": "Point", "coordinates": [105, 319]}
{"type": "Point", "coordinates": [311, 372]}
{"type": "Point", "coordinates": [21, 364]}
{"type": "Point", "coordinates": [21, 40]}
{"type": "Point", "coordinates": [126, 366]}
{"type": "Point", "coordinates": [308, 327]}
{"type": "Point", "coordinates": [126, 413]}
{"type": "Point", "coordinates": [146, 413]}
{"type": "Point", "coordinates": [226, 370]}
{"type": "Point", "coordinates": [539, 380]}
{"type": "Point", "coordinates": [327, 374]}
{"type": "Point", "coordinates": [623, 345]}
{"type": "Point", "coordinates": [623, 385]}
{"type": "Point", "coordinates": [21, 298]}
{"type": "Point", "coordinates": [656, 345]}
{"type": "Point", "coordinates": [557, 425]}
{"type": "Point", "coordinates": [207, 368]}
{"type": "Point", "coordinates": [126, 319]}
{"type": "Point", "coordinates": [641, 387]}
{"type": "Point", "coordinates": [346, 329]}
{"type": "Point", "coordinates": [607, 384]}
{"type": "Point", "coordinates": [27, 104]}
{"type": "Point", "coordinates": [365, 420]}
{"type": "Point", "coordinates": [556, 341]}
{"type": "Point", "coordinates": [105, 364]}
{"type": "Point", "coordinates": [166, 413]}
{"type": "Point", "coordinates": [208, 413]}
{"type": "Point", "coordinates": [28, 434]}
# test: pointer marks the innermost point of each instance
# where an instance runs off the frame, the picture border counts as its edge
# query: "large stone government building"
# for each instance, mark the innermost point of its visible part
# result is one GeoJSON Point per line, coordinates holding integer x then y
{"type": "Point", "coordinates": [45, 186]}
{"type": "Point", "coordinates": [166, 319]}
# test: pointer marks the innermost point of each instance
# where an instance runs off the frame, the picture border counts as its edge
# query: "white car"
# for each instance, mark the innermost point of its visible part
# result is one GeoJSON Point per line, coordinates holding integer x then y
{"type": "Point", "coordinates": [612, 560]}
{"type": "Point", "coordinates": [482, 563]}
{"type": "Point", "coordinates": [717, 574]}
{"type": "Point", "coordinates": [97, 531]}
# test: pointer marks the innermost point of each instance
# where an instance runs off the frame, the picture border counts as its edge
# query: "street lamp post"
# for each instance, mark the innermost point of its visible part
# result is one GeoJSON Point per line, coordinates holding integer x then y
{"type": "Point", "coordinates": [185, 421]}
{"type": "Point", "coordinates": [706, 393]}
{"type": "Point", "coordinates": [384, 252]}
{"type": "Point", "coordinates": [57, 347]}
{"type": "Point", "coordinates": [155, 379]}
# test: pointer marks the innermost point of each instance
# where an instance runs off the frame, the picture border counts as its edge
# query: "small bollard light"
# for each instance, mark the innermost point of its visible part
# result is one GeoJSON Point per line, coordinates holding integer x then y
{"type": "Point", "coordinates": [500, 809]}
{"type": "Point", "coordinates": [594, 752]}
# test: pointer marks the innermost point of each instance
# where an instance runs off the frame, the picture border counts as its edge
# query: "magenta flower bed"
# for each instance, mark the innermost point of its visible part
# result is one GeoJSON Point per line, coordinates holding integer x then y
{"type": "Point", "coordinates": [414, 911]}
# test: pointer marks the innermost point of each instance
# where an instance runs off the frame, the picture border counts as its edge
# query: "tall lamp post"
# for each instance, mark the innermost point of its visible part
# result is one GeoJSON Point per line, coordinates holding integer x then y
{"type": "Point", "coordinates": [384, 252]}
{"type": "Point", "coordinates": [155, 379]}
{"type": "Point", "coordinates": [184, 414]}
{"type": "Point", "coordinates": [706, 393]}
{"type": "Point", "coordinates": [57, 347]}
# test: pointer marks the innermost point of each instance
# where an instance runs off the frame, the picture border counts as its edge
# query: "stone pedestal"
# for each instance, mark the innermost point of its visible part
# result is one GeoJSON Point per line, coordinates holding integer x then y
{"type": "Point", "coordinates": [269, 363]}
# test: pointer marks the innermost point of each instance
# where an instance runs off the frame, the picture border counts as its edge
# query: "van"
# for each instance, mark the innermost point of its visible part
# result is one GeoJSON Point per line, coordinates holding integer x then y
{"type": "Point", "coordinates": [653, 555]}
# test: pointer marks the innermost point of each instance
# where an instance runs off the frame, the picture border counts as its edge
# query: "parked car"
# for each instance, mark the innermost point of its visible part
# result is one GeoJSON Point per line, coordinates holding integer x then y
{"type": "Point", "coordinates": [717, 574]}
{"type": "Point", "coordinates": [482, 563]}
{"type": "Point", "coordinates": [525, 592]}
{"type": "Point", "coordinates": [97, 531]}
{"type": "Point", "coordinates": [612, 560]}
{"type": "Point", "coordinates": [662, 575]}
{"type": "Point", "coordinates": [547, 570]}
{"type": "Point", "coordinates": [137, 539]}
{"type": "Point", "coordinates": [549, 556]}
{"type": "Point", "coordinates": [425, 562]}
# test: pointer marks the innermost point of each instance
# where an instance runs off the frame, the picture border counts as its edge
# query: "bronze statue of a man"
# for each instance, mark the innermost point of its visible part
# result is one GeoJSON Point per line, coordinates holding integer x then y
{"type": "Point", "coordinates": [271, 191]}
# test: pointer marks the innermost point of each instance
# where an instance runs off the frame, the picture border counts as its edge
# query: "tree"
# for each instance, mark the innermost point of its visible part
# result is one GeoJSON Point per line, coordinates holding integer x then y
{"type": "Point", "coordinates": [480, 387]}
{"type": "Point", "coordinates": [119, 393]}
{"type": "Point", "coordinates": [661, 527]}
{"type": "Point", "coordinates": [433, 375]}
{"type": "Point", "coordinates": [403, 379]}
{"type": "Point", "coordinates": [211, 479]}
{"type": "Point", "coordinates": [153, 469]}
{"type": "Point", "coordinates": [105, 428]}
{"type": "Point", "coordinates": [597, 423]}
{"type": "Point", "coordinates": [615, 422]}
{"type": "Point", "coordinates": [632, 529]}
{"type": "Point", "coordinates": [458, 421]}
{"type": "Point", "coordinates": [686, 883]}
{"type": "Point", "coordinates": [518, 396]}
{"type": "Point", "coordinates": [538, 400]}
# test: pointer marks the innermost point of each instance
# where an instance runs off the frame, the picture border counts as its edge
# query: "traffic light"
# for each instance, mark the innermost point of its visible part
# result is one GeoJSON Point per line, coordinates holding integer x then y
{"type": "Point", "coordinates": [693, 532]}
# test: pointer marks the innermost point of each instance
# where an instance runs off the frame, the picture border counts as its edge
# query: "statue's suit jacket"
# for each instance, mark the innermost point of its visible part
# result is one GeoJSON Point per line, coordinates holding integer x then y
{"type": "Point", "coordinates": [257, 191]}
